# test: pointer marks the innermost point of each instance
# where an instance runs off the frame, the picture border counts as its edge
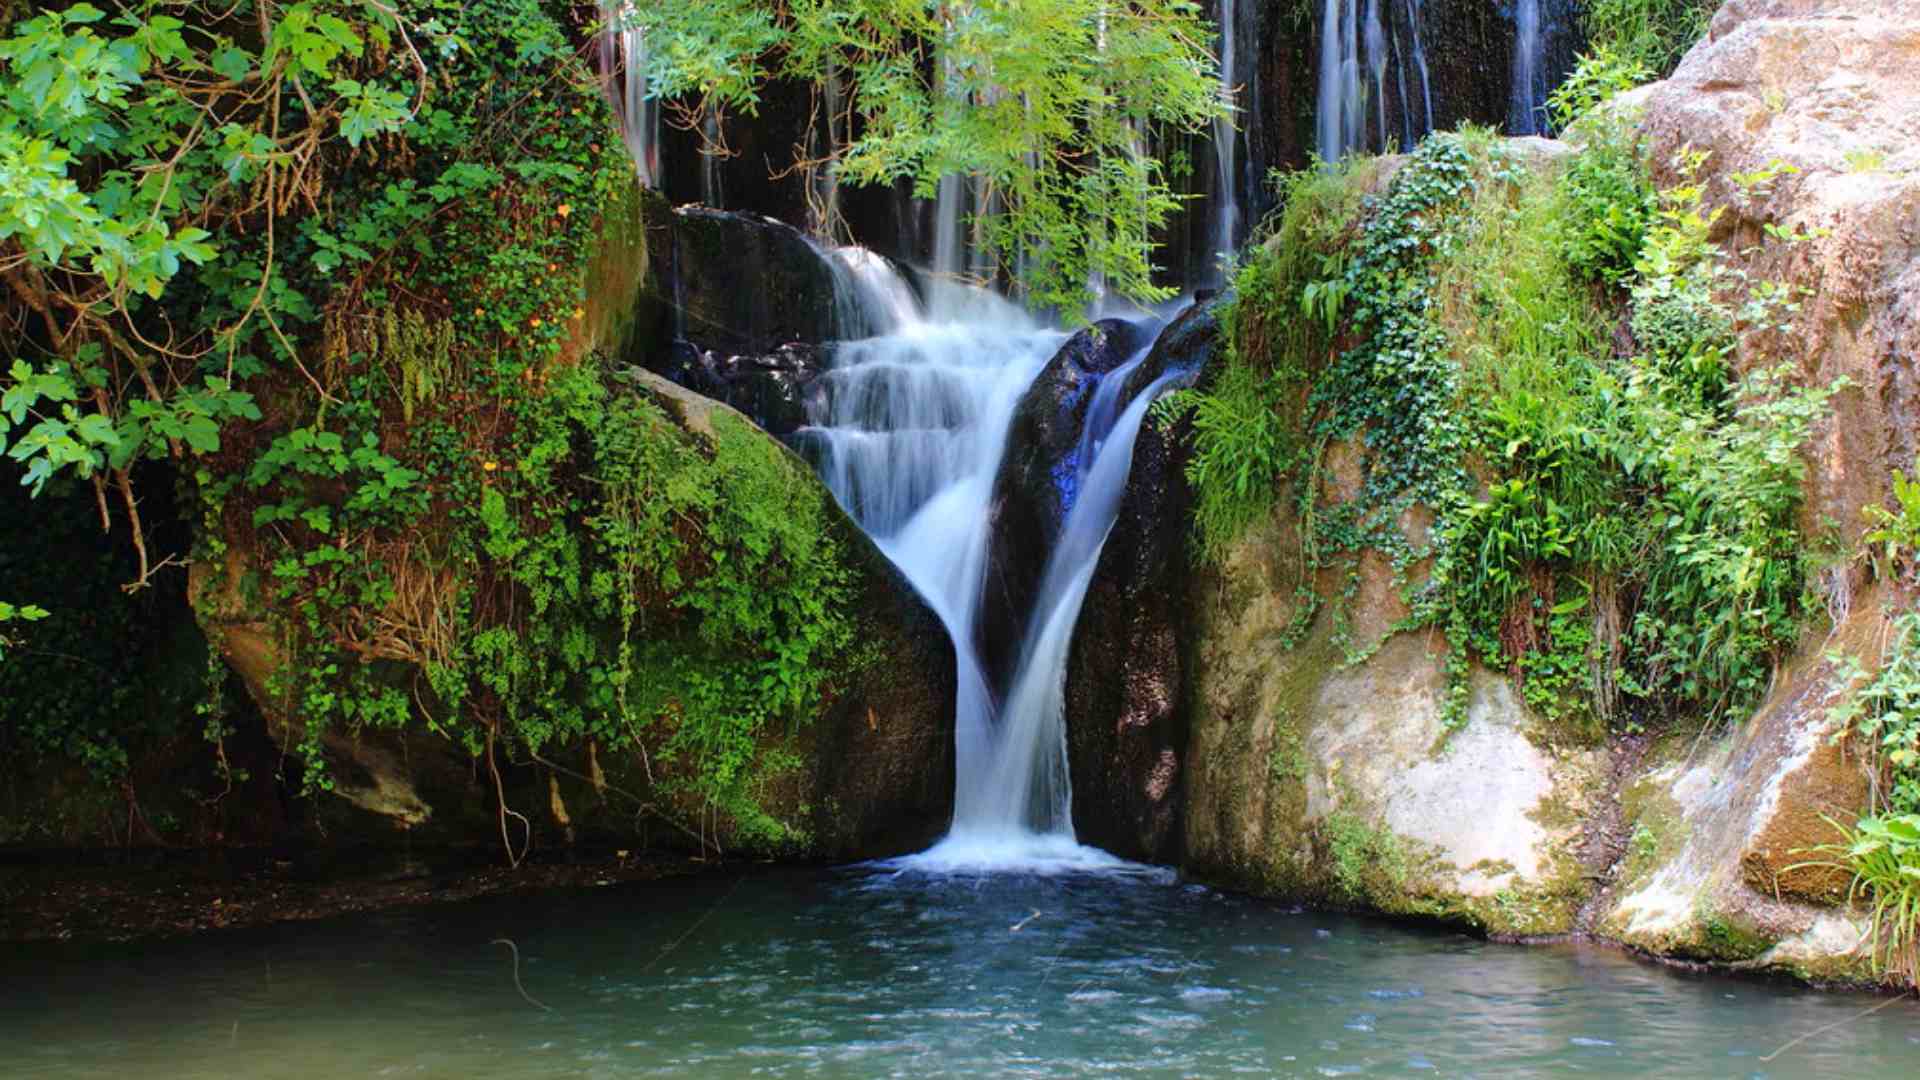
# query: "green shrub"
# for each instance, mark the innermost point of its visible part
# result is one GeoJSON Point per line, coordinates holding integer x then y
{"type": "Point", "coordinates": [1652, 33]}
{"type": "Point", "coordinates": [1896, 532]}
{"type": "Point", "coordinates": [1882, 851]}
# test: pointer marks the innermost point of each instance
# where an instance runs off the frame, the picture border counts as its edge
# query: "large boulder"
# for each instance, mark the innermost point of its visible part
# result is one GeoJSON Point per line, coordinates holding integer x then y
{"type": "Point", "coordinates": [1829, 89]}
{"type": "Point", "coordinates": [1034, 487]}
{"type": "Point", "coordinates": [870, 774]}
{"type": "Point", "coordinates": [1319, 776]}
{"type": "Point", "coordinates": [1126, 673]}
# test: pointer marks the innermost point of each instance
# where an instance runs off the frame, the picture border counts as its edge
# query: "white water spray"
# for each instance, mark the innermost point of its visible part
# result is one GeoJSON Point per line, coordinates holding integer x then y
{"type": "Point", "coordinates": [1528, 46]}
{"type": "Point", "coordinates": [909, 435]}
{"type": "Point", "coordinates": [1226, 144]}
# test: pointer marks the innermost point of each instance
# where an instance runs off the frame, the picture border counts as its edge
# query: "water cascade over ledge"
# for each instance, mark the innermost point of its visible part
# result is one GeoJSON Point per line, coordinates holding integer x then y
{"type": "Point", "coordinates": [1358, 107]}
{"type": "Point", "coordinates": [908, 431]}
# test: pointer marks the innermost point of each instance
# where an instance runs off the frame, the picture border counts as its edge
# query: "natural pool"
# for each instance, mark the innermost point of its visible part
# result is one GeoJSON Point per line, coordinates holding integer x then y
{"type": "Point", "coordinates": [867, 972]}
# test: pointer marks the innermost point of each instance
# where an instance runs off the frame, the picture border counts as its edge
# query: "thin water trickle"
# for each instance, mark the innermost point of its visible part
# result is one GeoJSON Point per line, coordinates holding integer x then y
{"type": "Point", "coordinates": [1225, 208]}
{"type": "Point", "coordinates": [1361, 42]}
{"type": "Point", "coordinates": [623, 69]}
{"type": "Point", "coordinates": [1528, 45]}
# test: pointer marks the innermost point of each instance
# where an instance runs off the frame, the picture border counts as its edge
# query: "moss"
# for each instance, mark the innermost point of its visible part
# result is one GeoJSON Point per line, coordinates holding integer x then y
{"type": "Point", "coordinates": [1658, 831]}
{"type": "Point", "coordinates": [1725, 936]}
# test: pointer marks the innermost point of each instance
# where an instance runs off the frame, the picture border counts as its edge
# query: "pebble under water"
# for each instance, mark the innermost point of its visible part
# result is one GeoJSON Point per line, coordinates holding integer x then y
{"type": "Point", "coordinates": [880, 972]}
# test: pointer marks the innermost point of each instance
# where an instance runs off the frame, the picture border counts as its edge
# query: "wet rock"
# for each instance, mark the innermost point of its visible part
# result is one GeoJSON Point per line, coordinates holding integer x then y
{"type": "Point", "coordinates": [1035, 485]}
{"type": "Point", "coordinates": [771, 389]}
{"type": "Point", "coordinates": [1725, 832]}
{"type": "Point", "coordinates": [1127, 676]}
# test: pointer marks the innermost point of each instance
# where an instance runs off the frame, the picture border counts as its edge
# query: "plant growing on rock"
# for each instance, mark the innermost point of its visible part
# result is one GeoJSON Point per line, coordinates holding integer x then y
{"type": "Point", "coordinates": [1618, 532]}
{"type": "Point", "coordinates": [325, 265]}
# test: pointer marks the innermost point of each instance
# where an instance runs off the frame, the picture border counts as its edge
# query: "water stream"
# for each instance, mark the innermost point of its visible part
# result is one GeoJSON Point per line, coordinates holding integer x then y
{"type": "Point", "coordinates": [1528, 45]}
{"type": "Point", "coordinates": [909, 433]}
{"type": "Point", "coordinates": [866, 973]}
{"type": "Point", "coordinates": [623, 70]}
{"type": "Point", "coordinates": [1358, 108]}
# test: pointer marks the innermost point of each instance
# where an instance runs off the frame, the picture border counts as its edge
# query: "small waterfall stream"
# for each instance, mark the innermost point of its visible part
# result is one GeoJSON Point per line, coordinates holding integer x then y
{"type": "Point", "coordinates": [1226, 142]}
{"type": "Point", "coordinates": [1528, 44]}
{"type": "Point", "coordinates": [909, 436]}
{"type": "Point", "coordinates": [623, 70]}
{"type": "Point", "coordinates": [1361, 42]}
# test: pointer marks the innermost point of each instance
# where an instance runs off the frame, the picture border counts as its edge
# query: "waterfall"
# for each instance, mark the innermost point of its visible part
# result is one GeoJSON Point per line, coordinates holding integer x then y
{"type": "Point", "coordinates": [823, 148]}
{"type": "Point", "coordinates": [712, 194]}
{"type": "Point", "coordinates": [1226, 146]}
{"type": "Point", "coordinates": [1359, 47]}
{"type": "Point", "coordinates": [1420, 62]}
{"type": "Point", "coordinates": [1527, 92]}
{"type": "Point", "coordinates": [623, 70]}
{"type": "Point", "coordinates": [908, 434]}
{"type": "Point", "coordinates": [1542, 49]}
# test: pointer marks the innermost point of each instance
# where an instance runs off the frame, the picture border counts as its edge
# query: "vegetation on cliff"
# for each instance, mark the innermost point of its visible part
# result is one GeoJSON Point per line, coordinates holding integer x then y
{"type": "Point", "coordinates": [1555, 454]}
{"type": "Point", "coordinates": [325, 267]}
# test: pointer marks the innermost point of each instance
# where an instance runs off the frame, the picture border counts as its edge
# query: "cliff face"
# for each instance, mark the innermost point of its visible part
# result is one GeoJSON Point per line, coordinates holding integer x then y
{"type": "Point", "coordinates": [869, 773]}
{"type": "Point", "coordinates": [1314, 776]}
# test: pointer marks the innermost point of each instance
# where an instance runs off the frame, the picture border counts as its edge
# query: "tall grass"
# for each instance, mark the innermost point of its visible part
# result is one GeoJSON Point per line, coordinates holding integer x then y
{"type": "Point", "coordinates": [1656, 33]}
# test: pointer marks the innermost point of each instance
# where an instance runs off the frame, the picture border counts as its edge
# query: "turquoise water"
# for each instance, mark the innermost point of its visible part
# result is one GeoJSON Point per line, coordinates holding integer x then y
{"type": "Point", "coordinates": [871, 973]}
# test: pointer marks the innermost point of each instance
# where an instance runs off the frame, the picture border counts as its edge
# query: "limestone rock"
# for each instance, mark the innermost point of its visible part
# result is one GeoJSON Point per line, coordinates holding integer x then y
{"type": "Point", "coordinates": [1830, 88]}
{"type": "Point", "coordinates": [1321, 779]}
{"type": "Point", "coordinates": [1724, 833]}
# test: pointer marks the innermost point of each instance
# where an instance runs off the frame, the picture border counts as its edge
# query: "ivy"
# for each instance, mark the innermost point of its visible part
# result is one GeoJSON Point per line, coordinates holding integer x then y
{"type": "Point", "coordinates": [1617, 532]}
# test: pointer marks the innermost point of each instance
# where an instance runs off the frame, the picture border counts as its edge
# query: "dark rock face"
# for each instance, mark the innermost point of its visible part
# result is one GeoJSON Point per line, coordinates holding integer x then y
{"type": "Point", "coordinates": [771, 389]}
{"type": "Point", "coordinates": [740, 284]}
{"type": "Point", "coordinates": [1034, 487]}
{"type": "Point", "coordinates": [1126, 678]}
{"type": "Point", "coordinates": [739, 308]}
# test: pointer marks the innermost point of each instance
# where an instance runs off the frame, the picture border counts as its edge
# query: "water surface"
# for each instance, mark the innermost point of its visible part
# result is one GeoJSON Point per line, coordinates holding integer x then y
{"type": "Point", "coordinates": [877, 972]}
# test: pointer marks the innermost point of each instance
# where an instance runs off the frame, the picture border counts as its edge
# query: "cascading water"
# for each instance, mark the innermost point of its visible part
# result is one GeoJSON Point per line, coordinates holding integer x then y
{"type": "Point", "coordinates": [909, 434]}
{"type": "Point", "coordinates": [1528, 45]}
{"type": "Point", "coordinates": [712, 192]}
{"type": "Point", "coordinates": [623, 70]}
{"type": "Point", "coordinates": [1226, 143]}
{"type": "Point", "coordinates": [1361, 42]}
{"type": "Point", "coordinates": [1544, 33]}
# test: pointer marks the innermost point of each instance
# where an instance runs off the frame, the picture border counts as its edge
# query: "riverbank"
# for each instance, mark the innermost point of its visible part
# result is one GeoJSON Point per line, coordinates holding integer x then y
{"type": "Point", "coordinates": [141, 894]}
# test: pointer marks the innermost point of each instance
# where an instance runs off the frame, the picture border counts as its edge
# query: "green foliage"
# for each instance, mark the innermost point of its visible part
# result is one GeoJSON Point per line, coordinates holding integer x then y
{"type": "Point", "coordinates": [92, 677]}
{"type": "Point", "coordinates": [1880, 711]}
{"type": "Point", "coordinates": [1617, 532]}
{"type": "Point", "coordinates": [1608, 202]}
{"type": "Point", "coordinates": [1369, 861]}
{"type": "Point", "coordinates": [16, 613]}
{"type": "Point", "coordinates": [1882, 851]}
{"type": "Point", "coordinates": [1595, 80]}
{"type": "Point", "coordinates": [1287, 297]}
{"type": "Point", "coordinates": [1040, 101]}
{"type": "Point", "coordinates": [1654, 34]}
{"type": "Point", "coordinates": [1883, 713]}
{"type": "Point", "coordinates": [327, 258]}
{"type": "Point", "coordinates": [1896, 532]}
